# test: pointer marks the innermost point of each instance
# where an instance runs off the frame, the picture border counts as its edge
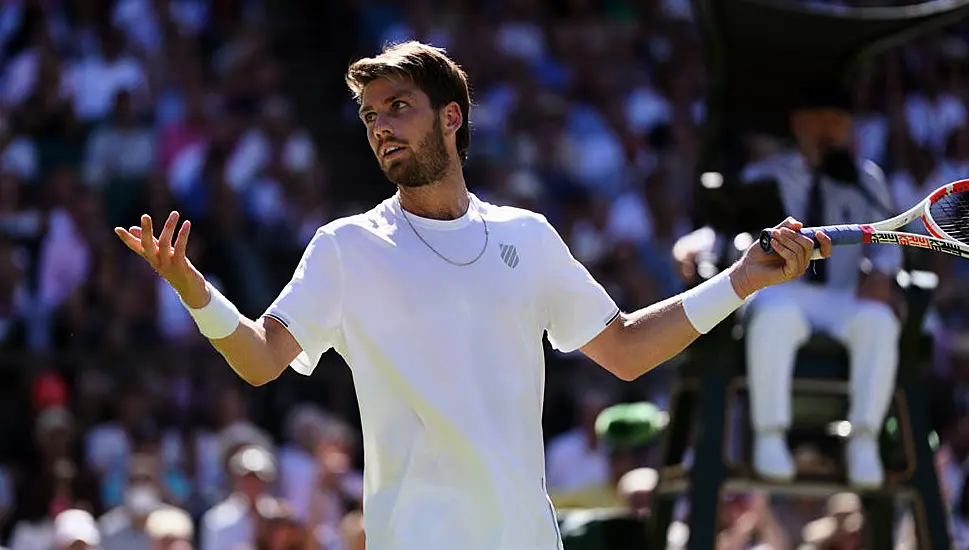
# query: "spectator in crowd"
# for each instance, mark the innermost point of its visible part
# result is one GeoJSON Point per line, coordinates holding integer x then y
{"type": "Point", "coordinates": [318, 482]}
{"type": "Point", "coordinates": [108, 444]}
{"type": "Point", "coordinates": [95, 80]}
{"type": "Point", "coordinates": [146, 465]}
{"type": "Point", "coordinates": [120, 153]}
{"type": "Point", "coordinates": [279, 529]}
{"type": "Point", "coordinates": [627, 433]}
{"type": "Point", "coordinates": [840, 529]}
{"type": "Point", "coordinates": [636, 490]}
{"type": "Point", "coordinates": [50, 483]}
{"type": "Point", "coordinates": [74, 529]}
{"type": "Point", "coordinates": [577, 459]}
{"type": "Point", "coordinates": [144, 491]}
{"type": "Point", "coordinates": [354, 537]}
{"type": "Point", "coordinates": [748, 522]}
{"type": "Point", "coordinates": [215, 440]}
{"type": "Point", "coordinates": [234, 521]}
{"type": "Point", "coordinates": [297, 457]}
{"type": "Point", "coordinates": [170, 528]}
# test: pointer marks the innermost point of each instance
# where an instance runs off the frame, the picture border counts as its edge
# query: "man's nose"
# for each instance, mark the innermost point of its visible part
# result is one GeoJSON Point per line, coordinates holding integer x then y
{"type": "Point", "coordinates": [383, 126]}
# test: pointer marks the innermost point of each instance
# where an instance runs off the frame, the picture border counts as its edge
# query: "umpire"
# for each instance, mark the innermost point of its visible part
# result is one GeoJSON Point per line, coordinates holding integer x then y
{"type": "Point", "coordinates": [822, 181]}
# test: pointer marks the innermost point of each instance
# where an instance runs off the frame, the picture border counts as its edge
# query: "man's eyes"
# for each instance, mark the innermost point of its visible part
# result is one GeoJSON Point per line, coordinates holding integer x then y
{"type": "Point", "coordinates": [397, 105]}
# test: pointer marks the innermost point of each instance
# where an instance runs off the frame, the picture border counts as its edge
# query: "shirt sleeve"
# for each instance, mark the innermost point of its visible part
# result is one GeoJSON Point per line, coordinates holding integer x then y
{"type": "Point", "coordinates": [577, 307]}
{"type": "Point", "coordinates": [310, 306]}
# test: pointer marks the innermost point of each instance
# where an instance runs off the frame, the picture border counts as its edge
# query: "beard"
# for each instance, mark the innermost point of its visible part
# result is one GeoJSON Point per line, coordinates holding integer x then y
{"type": "Point", "coordinates": [424, 165]}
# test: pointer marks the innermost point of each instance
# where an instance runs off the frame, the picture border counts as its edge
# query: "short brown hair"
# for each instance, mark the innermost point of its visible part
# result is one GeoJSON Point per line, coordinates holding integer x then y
{"type": "Point", "coordinates": [429, 69]}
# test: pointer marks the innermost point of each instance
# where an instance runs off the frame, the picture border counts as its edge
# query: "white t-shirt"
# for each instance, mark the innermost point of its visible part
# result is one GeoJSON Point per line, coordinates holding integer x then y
{"type": "Point", "coordinates": [448, 365]}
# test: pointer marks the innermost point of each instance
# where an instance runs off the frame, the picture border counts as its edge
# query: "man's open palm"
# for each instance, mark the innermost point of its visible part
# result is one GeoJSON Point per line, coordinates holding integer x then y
{"type": "Point", "coordinates": [168, 258]}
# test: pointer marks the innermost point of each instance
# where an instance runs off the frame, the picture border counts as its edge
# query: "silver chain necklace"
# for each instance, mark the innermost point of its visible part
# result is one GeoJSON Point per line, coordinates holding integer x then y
{"type": "Point", "coordinates": [432, 249]}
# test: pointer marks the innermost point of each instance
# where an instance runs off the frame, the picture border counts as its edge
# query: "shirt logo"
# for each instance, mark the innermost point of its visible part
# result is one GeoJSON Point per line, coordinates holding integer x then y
{"type": "Point", "coordinates": [509, 254]}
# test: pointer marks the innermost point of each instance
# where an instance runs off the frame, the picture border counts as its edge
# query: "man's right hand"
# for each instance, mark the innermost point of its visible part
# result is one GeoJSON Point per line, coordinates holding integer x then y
{"type": "Point", "coordinates": [167, 259]}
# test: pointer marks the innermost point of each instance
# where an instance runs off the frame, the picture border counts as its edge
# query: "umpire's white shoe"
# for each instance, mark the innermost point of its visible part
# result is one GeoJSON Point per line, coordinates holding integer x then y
{"type": "Point", "coordinates": [772, 458]}
{"type": "Point", "coordinates": [863, 462]}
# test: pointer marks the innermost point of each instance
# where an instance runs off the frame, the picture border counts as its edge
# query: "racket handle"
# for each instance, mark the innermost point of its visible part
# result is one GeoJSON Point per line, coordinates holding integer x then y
{"type": "Point", "coordinates": [840, 235]}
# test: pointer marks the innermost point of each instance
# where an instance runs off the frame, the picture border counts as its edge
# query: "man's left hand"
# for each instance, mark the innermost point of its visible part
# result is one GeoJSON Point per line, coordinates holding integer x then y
{"type": "Point", "coordinates": [790, 258]}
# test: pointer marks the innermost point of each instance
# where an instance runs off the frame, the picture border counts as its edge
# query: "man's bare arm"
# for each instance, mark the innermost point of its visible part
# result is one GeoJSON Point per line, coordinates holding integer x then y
{"type": "Point", "coordinates": [257, 350]}
{"type": "Point", "coordinates": [637, 342]}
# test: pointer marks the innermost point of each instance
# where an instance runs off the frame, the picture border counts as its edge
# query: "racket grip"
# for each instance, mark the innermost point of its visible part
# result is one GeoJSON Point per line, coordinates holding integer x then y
{"type": "Point", "coordinates": [767, 234]}
{"type": "Point", "coordinates": [839, 235]}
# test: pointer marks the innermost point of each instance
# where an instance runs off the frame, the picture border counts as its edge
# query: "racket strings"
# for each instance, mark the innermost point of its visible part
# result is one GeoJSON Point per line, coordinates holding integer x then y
{"type": "Point", "coordinates": [951, 214]}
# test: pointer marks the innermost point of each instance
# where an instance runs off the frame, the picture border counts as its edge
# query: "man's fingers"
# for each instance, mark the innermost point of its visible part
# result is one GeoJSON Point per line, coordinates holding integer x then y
{"type": "Point", "coordinates": [806, 243]}
{"type": "Point", "coordinates": [825, 242]}
{"type": "Point", "coordinates": [181, 242]}
{"type": "Point", "coordinates": [783, 249]}
{"type": "Point", "coordinates": [801, 244]}
{"type": "Point", "coordinates": [790, 223]}
{"type": "Point", "coordinates": [147, 239]}
{"type": "Point", "coordinates": [136, 233]}
{"type": "Point", "coordinates": [168, 232]}
{"type": "Point", "coordinates": [791, 246]}
{"type": "Point", "coordinates": [131, 241]}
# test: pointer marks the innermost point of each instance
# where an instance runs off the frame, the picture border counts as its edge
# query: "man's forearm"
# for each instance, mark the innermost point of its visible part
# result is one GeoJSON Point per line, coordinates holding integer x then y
{"type": "Point", "coordinates": [250, 353]}
{"type": "Point", "coordinates": [654, 334]}
{"type": "Point", "coordinates": [254, 349]}
{"type": "Point", "coordinates": [657, 333]}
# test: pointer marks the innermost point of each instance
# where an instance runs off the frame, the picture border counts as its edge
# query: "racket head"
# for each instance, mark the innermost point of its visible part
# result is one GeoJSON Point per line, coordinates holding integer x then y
{"type": "Point", "coordinates": [946, 212]}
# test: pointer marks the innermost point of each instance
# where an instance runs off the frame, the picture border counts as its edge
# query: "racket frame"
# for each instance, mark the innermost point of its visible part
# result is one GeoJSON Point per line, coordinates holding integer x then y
{"type": "Point", "coordinates": [882, 232]}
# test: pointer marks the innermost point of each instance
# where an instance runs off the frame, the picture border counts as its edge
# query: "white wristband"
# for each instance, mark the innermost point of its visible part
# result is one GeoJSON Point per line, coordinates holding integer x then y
{"type": "Point", "coordinates": [218, 318]}
{"type": "Point", "coordinates": [710, 302]}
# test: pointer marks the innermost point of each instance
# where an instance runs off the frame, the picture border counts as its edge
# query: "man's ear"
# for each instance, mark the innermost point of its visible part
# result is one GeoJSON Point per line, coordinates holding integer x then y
{"type": "Point", "coordinates": [453, 118]}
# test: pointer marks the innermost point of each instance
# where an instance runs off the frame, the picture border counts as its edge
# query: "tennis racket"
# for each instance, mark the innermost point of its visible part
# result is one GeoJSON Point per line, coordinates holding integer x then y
{"type": "Point", "coordinates": [944, 213]}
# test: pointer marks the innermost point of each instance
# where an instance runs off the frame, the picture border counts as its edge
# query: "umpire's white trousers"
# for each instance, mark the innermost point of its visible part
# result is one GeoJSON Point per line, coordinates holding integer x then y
{"type": "Point", "coordinates": [781, 318]}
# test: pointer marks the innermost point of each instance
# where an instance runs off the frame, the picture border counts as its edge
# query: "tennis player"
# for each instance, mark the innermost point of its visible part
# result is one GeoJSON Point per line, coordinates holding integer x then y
{"type": "Point", "coordinates": [438, 302]}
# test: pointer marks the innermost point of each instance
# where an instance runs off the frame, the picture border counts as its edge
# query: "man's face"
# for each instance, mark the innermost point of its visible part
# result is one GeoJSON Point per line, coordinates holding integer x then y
{"type": "Point", "coordinates": [251, 485]}
{"type": "Point", "coordinates": [57, 441]}
{"type": "Point", "coordinates": [823, 129]}
{"type": "Point", "coordinates": [405, 132]}
{"type": "Point", "coordinates": [286, 535]}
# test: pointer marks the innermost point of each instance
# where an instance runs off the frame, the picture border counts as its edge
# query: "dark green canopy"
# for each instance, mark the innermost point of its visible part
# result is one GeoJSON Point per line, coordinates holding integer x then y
{"type": "Point", "coordinates": [763, 53]}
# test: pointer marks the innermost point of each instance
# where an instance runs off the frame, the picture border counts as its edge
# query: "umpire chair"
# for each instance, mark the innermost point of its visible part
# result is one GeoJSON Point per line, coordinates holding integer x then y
{"type": "Point", "coordinates": [714, 377]}
{"type": "Point", "coordinates": [760, 53]}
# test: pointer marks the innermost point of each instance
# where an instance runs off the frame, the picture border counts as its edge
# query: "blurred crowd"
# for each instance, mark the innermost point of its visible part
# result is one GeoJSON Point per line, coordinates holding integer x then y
{"type": "Point", "coordinates": [124, 426]}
